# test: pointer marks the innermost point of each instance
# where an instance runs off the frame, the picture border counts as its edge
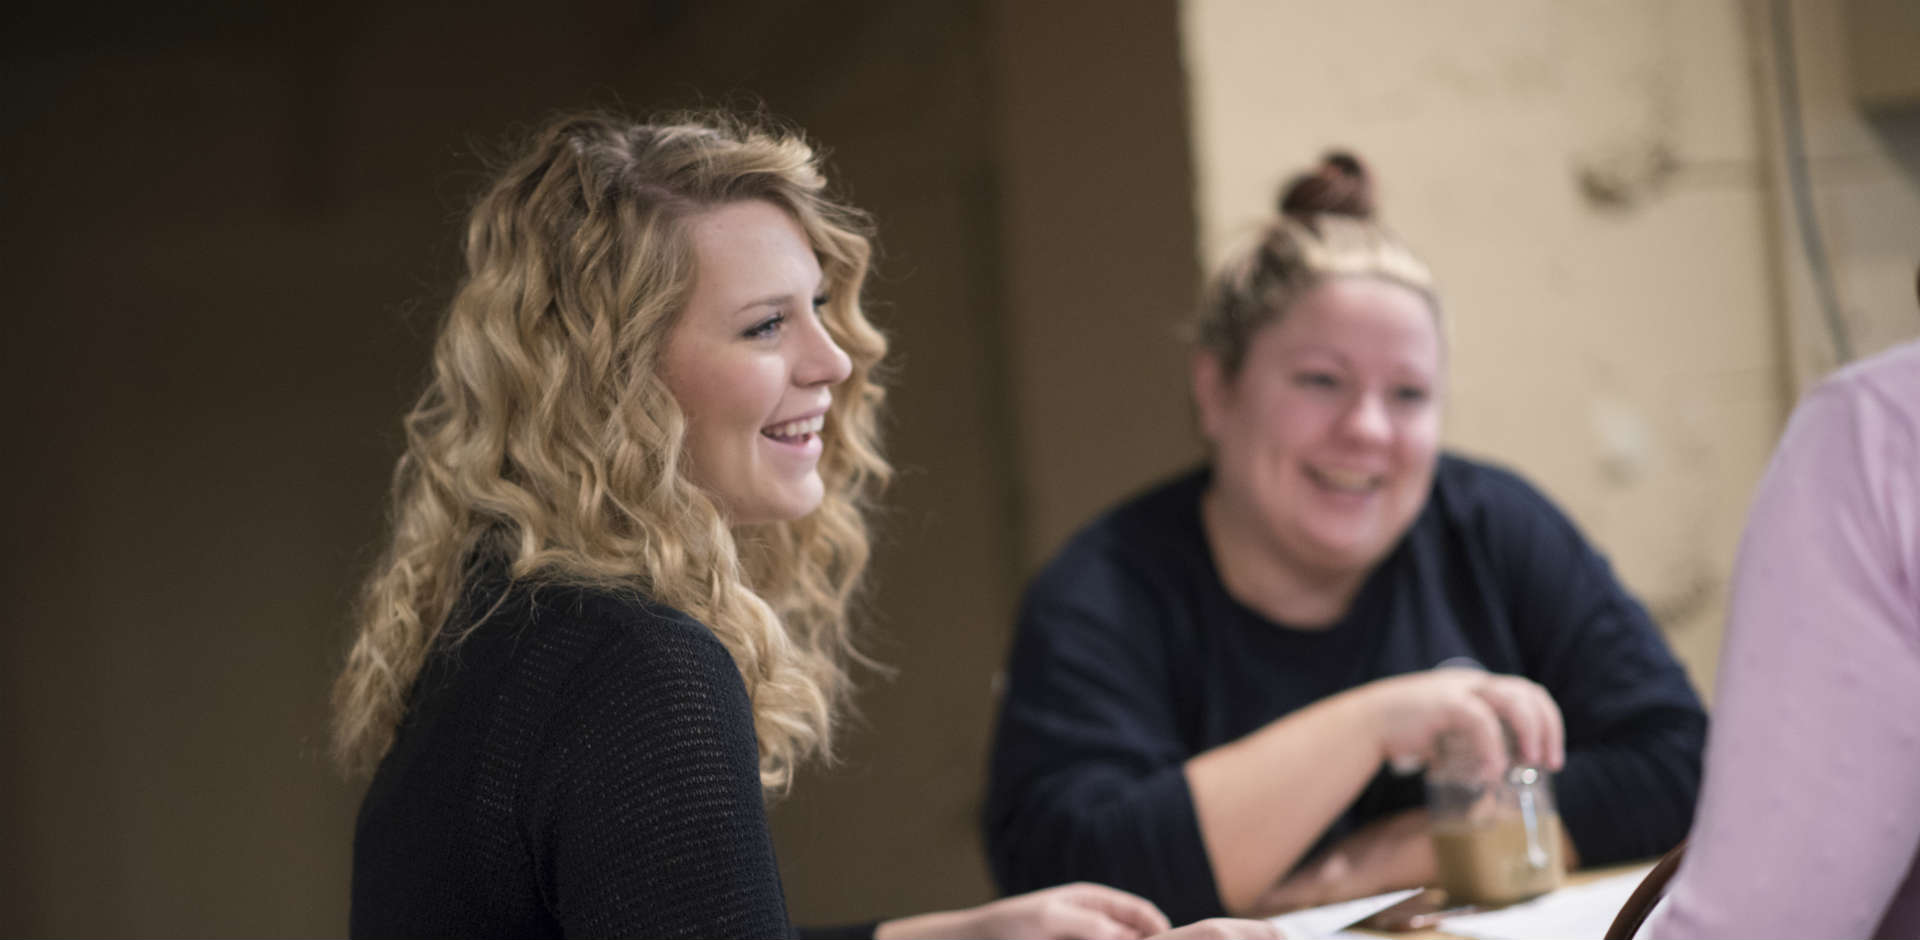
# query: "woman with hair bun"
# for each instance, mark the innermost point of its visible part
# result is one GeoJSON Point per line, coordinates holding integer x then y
{"type": "Point", "coordinates": [612, 618]}
{"type": "Point", "coordinates": [1211, 685]}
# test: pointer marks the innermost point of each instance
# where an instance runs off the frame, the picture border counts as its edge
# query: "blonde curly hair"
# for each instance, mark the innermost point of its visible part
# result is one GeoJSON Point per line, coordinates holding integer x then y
{"type": "Point", "coordinates": [547, 436]}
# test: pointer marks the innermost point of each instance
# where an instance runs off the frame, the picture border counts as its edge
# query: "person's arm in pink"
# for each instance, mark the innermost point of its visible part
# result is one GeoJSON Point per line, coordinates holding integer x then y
{"type": "Point", "coordinates": [1809, 816]}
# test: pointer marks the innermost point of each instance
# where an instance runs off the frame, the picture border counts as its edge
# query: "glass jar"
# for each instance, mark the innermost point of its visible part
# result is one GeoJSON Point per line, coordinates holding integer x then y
{"type": "Point", "coordinates": [1496, 840]}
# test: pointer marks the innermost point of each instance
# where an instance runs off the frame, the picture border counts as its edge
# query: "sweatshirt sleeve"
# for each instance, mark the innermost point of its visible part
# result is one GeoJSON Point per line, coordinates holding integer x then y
{"type": "Point", "coordinates": [1088, 779]}
{"type": "Point", "coordinates": [1635, 729]}
{"type": "Point", "coordinates": [1808, 821]}
{"type": "Point", "coordinates": [646, 816]}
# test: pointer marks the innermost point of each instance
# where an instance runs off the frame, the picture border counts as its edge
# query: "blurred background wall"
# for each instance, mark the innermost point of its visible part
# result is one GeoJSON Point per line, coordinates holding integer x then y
{"type": "Point", "coordinates": [230, 229]}
{"type": "Point", "coordinates": [1603, 192]}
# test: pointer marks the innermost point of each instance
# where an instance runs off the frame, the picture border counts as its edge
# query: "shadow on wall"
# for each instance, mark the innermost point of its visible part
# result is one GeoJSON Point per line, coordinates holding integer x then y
{"type": "Point", "coordinates": [1898, 130]}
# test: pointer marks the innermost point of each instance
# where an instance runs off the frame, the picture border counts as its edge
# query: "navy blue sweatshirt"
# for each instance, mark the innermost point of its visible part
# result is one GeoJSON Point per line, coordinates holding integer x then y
{"type": "Point", "coordinates": [1130, 657]}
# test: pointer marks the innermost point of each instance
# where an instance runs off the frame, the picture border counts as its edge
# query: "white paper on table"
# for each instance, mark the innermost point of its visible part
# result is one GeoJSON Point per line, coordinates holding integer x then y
{"type": "Point", "coordinates": [1575, 913]}
{"type": "Point", "coordinates": [1319, 923]}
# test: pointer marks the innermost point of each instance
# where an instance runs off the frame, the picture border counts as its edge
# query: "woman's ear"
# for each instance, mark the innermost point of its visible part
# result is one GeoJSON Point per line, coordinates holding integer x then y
{"type": "Point", "coordinates": [1212, 391]}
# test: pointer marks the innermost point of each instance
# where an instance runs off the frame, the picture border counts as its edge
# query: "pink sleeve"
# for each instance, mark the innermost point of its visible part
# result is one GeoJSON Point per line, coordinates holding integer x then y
{"type": "Point", "coordinates": [1809, 814]}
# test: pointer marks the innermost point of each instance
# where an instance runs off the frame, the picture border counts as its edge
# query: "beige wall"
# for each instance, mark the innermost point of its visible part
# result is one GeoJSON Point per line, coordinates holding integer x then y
{"type": "Point", "coordinates": [1861, 121]}
{"type": "Point", "coordinates": [1593, 185]}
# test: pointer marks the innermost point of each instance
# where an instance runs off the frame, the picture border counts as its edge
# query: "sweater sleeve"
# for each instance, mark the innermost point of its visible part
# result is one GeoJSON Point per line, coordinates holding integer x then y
{"type": "Point", "coordinates": [1087, 779]}
{"type": "Point", "coordinates": [1808, 820]}
{"type": "Point", "coordinates": [645, 811]}
{"type": "Point", "coordinates": [1634, 727]}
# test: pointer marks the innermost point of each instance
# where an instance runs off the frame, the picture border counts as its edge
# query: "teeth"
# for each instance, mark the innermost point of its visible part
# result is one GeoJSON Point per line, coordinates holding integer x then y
{"type": "Point", "coordinates": [800, 428]}
{"type": "Point", "coordinates": [1346, 479]}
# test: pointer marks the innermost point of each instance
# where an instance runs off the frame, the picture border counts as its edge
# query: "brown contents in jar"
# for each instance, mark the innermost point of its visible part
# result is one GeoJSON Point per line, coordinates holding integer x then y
{"type": "Point", "coordinates": [1487, 862]}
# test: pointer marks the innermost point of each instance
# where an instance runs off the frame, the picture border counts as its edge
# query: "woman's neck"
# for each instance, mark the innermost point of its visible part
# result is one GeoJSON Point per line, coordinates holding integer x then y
{"type": "Point", "coordinates": [1257, 573]}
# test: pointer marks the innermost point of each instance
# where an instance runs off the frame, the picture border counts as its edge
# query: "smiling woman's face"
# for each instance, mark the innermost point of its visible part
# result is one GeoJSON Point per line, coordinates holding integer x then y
{"type": "Point", "coordinates": [752, 365]}
{"type": "Point", "coordinates": [1326, 440]}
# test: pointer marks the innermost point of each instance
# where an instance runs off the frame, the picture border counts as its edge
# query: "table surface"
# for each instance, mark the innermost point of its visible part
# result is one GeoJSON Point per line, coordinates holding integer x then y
{"type": "Point", "coordinates": [1584, 876]}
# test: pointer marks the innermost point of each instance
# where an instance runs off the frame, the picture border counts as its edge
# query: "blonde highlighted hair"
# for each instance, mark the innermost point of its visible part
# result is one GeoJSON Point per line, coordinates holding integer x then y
{"type": "Point", "coordinates": [546, 435]}
{"type": "Point", "coordinates": [1324, 229]}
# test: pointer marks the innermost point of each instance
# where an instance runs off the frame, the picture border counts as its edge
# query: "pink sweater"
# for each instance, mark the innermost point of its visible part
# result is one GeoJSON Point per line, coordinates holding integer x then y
{"type": "Point", "coordinates": [1809, 816]}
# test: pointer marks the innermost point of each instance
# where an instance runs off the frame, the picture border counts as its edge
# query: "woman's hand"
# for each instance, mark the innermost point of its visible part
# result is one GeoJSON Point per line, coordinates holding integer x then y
{"type": "Point", "coordinates": [1414, 710]}
{"type": "Point", "coordinates": [1384, 855]}
{"type": "Point", "coordinates": [1079, 911]}
{"type": "Point", "coordinates": [1224, 928]}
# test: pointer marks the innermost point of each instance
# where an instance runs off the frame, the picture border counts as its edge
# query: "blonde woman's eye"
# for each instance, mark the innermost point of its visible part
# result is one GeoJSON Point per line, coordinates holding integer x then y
{"type": "Point", "coordinates": [820, 302]}
{"type": "Point", "coordinates": [1410, 394]}
{"type": "Point", "coordinates": [768, 327]}
{"type": "Point", "coordinates": [1316, 380]}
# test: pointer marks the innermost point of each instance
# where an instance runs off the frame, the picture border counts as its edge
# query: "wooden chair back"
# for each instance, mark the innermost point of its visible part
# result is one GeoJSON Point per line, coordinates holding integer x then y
{"type": "Point", "coordinates": [1652, 888]}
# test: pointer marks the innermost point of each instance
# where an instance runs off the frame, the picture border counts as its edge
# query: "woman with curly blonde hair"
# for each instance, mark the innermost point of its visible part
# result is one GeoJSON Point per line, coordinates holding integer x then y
{"type": "Point", "coordinates": [627, 529]}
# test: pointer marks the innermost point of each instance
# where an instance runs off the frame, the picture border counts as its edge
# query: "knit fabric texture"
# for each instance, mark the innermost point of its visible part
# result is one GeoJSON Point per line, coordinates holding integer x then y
{"type": "Point", "coordinates": [573, 762]}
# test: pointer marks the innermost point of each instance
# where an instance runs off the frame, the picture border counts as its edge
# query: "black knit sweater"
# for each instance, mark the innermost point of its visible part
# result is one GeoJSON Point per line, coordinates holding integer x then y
{"type": "Point", "coordinates": [582, 763]}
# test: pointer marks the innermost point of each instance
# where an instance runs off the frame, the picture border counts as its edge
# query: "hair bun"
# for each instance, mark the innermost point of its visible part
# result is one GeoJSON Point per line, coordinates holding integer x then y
{"type": "Point", "coordinates": [1338, 186]}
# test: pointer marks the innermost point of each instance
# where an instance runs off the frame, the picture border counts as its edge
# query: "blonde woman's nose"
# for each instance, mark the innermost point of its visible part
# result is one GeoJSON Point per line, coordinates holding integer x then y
{"type": "Point", "coordinates": [821, 360]}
